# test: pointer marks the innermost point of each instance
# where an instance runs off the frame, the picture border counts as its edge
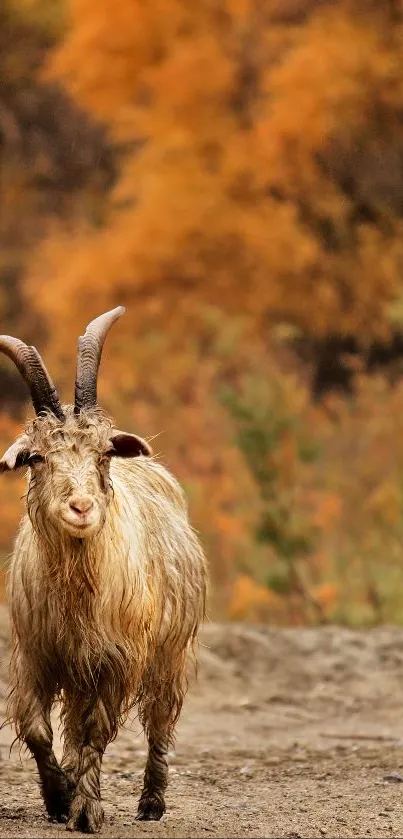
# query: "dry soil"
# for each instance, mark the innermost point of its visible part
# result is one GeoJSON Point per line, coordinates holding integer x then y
{"type": "Point", "coordinates": [288, 733]}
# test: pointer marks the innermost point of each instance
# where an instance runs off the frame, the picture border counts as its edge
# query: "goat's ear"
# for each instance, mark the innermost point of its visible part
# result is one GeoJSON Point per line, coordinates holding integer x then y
{"type": "Point", "coordinates": [17, 455]}
{"type": "Point", "coordinates": [128, 445]}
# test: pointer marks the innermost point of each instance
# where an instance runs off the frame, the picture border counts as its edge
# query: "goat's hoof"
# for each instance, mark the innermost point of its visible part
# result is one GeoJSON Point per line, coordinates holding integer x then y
{"type": "Point", "coordinates": [86, 815]}
{"type": "Point", "coordinates": [58, 818]}
{"type": "Point", "coordinates": [151, 808]}
{"type": "Point", "coordinates": [58, 804]}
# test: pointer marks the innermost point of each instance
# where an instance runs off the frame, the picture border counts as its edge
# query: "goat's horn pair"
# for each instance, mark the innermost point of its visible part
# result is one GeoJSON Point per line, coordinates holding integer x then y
{"type": "Point", "coordinates": [43, 392]}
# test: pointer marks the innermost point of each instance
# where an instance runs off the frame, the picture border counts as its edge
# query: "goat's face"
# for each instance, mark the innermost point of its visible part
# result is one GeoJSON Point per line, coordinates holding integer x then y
{"type": "Point", "coordinates": [69, 481]}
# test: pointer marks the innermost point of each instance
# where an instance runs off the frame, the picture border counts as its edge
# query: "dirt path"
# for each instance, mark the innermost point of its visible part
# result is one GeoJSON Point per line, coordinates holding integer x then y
{"type": "Point", "coordinates": [289, 733]}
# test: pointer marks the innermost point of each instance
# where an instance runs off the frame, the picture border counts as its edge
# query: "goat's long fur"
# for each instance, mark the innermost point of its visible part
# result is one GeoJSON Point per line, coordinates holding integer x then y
{"type": "Point", "coordinates": [103, 623]}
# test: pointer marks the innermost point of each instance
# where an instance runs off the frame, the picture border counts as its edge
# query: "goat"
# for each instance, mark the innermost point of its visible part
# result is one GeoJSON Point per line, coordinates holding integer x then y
{"type": "Point", "coordinates": [106, 589]}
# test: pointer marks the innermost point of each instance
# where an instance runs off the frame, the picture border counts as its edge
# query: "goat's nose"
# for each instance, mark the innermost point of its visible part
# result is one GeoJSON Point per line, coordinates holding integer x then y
{"type": "Point", "coordinates": [81, 505]}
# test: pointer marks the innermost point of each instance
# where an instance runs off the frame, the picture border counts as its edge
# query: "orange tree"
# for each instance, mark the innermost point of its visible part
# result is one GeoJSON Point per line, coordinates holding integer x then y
{"type": "Point", "coordinates": [263, 165]}
{"type": "Point", "coordinates": [260, 176]}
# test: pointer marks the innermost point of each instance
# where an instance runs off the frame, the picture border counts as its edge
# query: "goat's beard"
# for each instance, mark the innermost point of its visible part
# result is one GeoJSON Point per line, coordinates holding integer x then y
{"type": "Point", "coordinates": [72, 568]}
{"type": "Point", "coordinates": [71, 556]}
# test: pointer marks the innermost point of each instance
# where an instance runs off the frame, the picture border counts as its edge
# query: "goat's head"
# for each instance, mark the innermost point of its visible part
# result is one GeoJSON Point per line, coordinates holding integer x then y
{"type": "Point", "coordinates": [68, 449]}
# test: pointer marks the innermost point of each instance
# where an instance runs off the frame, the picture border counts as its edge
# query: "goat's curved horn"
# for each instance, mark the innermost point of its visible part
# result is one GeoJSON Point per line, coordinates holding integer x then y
{"type": "Point", "coordinates": [89, 356]}
{"type": "Point", "coordinates": [33, 371]}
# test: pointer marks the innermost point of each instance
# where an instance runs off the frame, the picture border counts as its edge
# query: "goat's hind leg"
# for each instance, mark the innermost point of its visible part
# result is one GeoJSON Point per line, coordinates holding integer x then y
{"type": "Point", "coordinates": [152, 800]}
{"type": "Point", "coordinates": [31, 715]}
{"type": "Point", "coordinates": [158, 711]}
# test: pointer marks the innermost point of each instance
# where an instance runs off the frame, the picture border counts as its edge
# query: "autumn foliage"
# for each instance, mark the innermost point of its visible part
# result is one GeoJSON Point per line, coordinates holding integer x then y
{"type": "Point", "coordinates": [241, 187]}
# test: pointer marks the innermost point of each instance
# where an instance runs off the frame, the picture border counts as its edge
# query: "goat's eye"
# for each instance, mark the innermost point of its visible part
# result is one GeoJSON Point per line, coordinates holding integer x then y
{"type": "Point", "coordinates": [35, 458]}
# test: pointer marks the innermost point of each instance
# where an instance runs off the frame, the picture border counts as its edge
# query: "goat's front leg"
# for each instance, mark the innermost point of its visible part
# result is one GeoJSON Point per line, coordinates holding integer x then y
{"type": "Point", "coordinates": [71, 757]}
{"type": "Point", "coordinates": [87, 739]}
{"type": "Point", "coordinates": [31, 714]}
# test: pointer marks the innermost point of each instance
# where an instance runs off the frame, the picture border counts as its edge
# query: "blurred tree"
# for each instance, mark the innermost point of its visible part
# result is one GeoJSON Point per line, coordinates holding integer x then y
{"type": "Point", "coordinates": [270, 173]}
{"type": "Point", "coordinates": [261, 174]}
{"type": "Point", "coordinates": [54, 163]}
{"type": "Point", "coordinates": [254, 191]}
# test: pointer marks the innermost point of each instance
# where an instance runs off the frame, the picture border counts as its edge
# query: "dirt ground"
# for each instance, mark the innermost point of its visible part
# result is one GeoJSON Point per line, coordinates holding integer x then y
{"type": "Point", "coordinates": [288, 733]}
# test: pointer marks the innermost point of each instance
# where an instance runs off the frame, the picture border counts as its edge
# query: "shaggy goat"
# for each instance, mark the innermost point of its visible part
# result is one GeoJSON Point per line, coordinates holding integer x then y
{"type": "Point", "coordinates": [106, 588]}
